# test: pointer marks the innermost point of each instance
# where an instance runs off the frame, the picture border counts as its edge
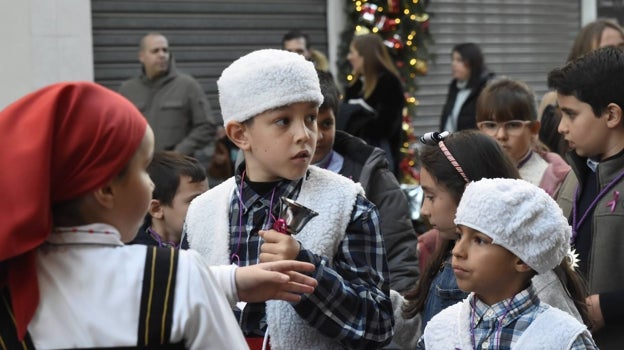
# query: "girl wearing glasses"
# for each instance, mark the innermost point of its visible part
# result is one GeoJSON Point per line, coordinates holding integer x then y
{"type": "Point", "coordinates": [506, 111]}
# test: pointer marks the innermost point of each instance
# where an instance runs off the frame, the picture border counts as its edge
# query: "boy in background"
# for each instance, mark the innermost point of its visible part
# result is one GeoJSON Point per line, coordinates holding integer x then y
{"type": "Point", "coordinates": [177, 179]}
{"type": "Point", "coordinates": [269, 101]}
{"type": "Point", "coordinates": [590, 94]}
{"type": "Point", "coordinates": [353, 158]}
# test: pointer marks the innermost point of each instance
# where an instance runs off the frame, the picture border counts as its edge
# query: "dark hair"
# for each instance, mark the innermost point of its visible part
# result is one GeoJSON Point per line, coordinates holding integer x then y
{"type": "Point", "coordinates": [480, 156]}
{"type": "Point", "coordinates": [473, 57]}
{"type": "Point", "coordinates": [548, 133]}
{"type": "Point", "coordinates": [575, 288]}
{"type": "Point", "coordinates": [331, 95]}
{"type": "Point", "coordinates": [165, 171]}
{"type": "Point", "coordinates": [594, 78]}
{"type": "Point", "coordinates": [588, 38]}
{"type": "Point", "coordinates": [506, 99]}
{"type": "Point", "coordinates": [296, 34]}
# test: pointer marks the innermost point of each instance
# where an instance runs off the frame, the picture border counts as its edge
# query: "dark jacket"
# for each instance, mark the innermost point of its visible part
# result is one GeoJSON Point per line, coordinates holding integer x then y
{"type": "Point", "coordinates": [368, 165]}
{"type": "Point", "coordinates": [467, 117]}
{"type": "Point", "coordinates": [176, 108]}
{"type": "Point", "coordinates": [605, 263]}
{"type": "Point", "coordinates": [387, 99]}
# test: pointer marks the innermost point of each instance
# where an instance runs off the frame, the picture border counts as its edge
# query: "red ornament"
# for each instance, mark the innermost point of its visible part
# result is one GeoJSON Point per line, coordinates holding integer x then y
{"type": "Point", "coordinates": [394, 6]}
{"type": "Point", "coordinates": [385, 24]}
{"type": "Point", "coordinates": [368, 13]}
{"type": "Point", "coordinates": [394, 42]}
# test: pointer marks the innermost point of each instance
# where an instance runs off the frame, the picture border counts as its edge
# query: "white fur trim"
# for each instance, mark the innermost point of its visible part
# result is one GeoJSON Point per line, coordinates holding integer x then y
{"type": "Point", "coordinates": [331, 195]}
{"type": "Point", "coordinates": [266, 79]}
{"type": "Point", "coordinates": [551, 329]}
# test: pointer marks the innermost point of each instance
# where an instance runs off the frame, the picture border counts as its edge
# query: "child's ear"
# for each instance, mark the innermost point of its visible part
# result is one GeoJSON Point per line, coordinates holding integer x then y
{"type": "Point", "coordinates": [521, 266]}
{"type": "Point", "coordinates": [614, 115]}
{"type": "Point", "coordinates": [156, 210]}
{"type": "Point", "coordinates": [236, 132]}
{"type": "Point", "coordinates": [104, 196]}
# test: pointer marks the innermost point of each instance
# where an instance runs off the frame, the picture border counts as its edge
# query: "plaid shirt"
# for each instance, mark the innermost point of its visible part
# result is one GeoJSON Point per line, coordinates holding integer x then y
{"type": "Point", "coordinates": [351, 302]}
{"type": "Point", "coordinates": [516, 315]}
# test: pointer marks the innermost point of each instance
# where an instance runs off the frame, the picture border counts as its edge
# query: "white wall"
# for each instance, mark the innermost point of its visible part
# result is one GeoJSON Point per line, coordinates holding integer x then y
{"type": "Point", "coordinates": [43, 41]}
{"type": "Point", "coordinates": [588, 11]}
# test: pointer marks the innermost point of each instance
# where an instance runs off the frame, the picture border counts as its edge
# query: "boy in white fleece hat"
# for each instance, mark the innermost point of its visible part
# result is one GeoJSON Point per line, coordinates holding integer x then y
{"type": "Point", "coordinates": [508, 230]}
{"type": "Point", "coordinates": [269, 101]}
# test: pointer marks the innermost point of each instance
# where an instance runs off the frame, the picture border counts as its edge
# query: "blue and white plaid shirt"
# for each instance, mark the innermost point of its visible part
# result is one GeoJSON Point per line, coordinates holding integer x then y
{"type": "Point", "coordinates": [351, 302]}
{"type": "Point", "coordinates": [516, 315]}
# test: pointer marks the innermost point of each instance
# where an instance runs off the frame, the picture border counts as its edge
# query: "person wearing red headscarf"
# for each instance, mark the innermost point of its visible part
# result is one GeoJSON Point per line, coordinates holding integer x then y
{"type": "Point", "coordinates": [75, 188]}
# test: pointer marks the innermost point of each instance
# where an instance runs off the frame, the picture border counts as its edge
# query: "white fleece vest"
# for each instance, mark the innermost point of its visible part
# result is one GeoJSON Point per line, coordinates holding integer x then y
{"type": "Point", "coordinates": [552, 329]}
{"type": "Point", "coordinates": [331, 195]}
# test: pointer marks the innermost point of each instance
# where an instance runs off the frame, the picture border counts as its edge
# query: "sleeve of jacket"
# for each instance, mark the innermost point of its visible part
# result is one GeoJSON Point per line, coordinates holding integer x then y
{"type": "Point", "coordinates": [396, 227]}
{"type": "Point", "coordinates": [352, 300]}
{"type": "Point", "coordinates": [202, 124]}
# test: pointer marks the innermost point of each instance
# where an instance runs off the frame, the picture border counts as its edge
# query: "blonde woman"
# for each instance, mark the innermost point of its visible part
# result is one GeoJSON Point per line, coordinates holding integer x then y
{"type": "Point", "coordinates": [377, 85]}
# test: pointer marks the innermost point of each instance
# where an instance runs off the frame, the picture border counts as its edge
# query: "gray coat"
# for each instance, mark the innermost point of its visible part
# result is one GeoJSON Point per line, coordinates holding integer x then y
{"type": "Point", "coordinates": [605, 267]}
{"type": "Point", "coordinates": [176, 109]}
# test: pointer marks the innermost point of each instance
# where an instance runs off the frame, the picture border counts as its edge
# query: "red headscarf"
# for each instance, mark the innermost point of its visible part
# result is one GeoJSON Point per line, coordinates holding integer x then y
{"type": "Point", "coordinates": [57, 144]}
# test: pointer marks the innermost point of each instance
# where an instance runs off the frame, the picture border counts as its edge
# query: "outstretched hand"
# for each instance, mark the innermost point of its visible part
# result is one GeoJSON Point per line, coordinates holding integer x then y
{"type": "Point", "coordinates": [274, 280]}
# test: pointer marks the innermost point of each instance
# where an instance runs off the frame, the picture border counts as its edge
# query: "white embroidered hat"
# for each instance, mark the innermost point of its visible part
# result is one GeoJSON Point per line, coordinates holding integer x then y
{"type": "Point", "coordinates": [518, 216]}
{"type": "Point", "coordinates": [266, 79]}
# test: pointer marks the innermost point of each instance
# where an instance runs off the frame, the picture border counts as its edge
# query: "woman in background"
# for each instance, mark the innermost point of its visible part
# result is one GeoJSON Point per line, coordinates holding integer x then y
{"type": "Point", "coordinates": [377, 85]}
{"type": "Point", "coordinates": [469, 78]}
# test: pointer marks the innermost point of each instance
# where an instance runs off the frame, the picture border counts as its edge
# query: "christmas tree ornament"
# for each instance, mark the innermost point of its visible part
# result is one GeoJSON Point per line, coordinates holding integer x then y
{"type": "Point", "coordinates": [368, 13]}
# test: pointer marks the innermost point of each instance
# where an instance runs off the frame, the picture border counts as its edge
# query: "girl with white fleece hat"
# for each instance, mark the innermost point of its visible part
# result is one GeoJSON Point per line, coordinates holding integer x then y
{"type": "Point", "coordinates": [508, 230]}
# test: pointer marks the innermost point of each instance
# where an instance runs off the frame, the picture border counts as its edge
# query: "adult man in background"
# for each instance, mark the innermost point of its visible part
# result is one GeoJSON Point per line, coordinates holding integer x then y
{"type": "Point", "coordinates": [173, 102]}
{"type": "Point", "coordinates": [298, 42]}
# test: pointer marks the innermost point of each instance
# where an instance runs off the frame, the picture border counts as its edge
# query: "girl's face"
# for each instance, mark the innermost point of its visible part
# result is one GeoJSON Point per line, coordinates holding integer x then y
{"type": "Point", "coordinates": [356, 60]}
{"type": "Point", "coordinates": [133, 191]}
{"type": "Point", "coordinates": [461, 71]}
{"type": "Point", "coordinates": [514, 136]}
{"type": "Point", "coordinates": [487, 269]}
{"type": "Point", "coordinates": [439, 205]}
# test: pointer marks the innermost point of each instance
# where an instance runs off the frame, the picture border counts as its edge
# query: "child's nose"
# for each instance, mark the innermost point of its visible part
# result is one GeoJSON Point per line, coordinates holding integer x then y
{"type": "Point", "coordinates": [458, 249]}
{"type": "Point", "coordinates": [302, 132]}
{"type": "Point", "coordinates": [562, 127]}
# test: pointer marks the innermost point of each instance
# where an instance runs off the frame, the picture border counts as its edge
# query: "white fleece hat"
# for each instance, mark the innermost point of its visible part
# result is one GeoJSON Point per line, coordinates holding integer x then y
{"type": "Point", "coordinates": [518, 216]}
{"type": "Point", "coordinates": [264, 80]}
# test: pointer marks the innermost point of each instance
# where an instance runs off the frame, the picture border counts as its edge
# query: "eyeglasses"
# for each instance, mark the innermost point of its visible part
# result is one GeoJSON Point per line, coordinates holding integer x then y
{"type": "Point", "coordinates": [511, 127]}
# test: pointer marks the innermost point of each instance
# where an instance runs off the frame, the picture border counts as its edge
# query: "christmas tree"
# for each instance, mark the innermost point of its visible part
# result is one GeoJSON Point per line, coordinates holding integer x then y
{"type": "Point", "coordinates": [404, 27]}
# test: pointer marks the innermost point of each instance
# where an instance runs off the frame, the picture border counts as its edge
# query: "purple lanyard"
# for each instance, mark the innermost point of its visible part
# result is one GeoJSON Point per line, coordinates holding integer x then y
{"type": "Point", "coordinates": [577, 224]}
{"type": "Point", "coordinates": [161, 242]}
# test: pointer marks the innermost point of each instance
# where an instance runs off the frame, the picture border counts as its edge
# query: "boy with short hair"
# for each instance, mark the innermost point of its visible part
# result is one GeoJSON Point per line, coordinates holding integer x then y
{"type": "Point", "coordinates": [508, 230]}
{"type": "Point", "coordinates": [590, 94]}
{"type": "Point", "coordinates": [269, 101]}
{"type": "Point", "coordinates": [351, 157]}
{"type": "Point", "coordinates": [177, 179]}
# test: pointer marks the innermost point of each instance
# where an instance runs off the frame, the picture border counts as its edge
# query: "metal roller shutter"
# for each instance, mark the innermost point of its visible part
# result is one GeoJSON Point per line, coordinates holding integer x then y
{"type": "Point", "coordinates": [520, 39]}
{"type": "Point", "coordinates": [204, 36]}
